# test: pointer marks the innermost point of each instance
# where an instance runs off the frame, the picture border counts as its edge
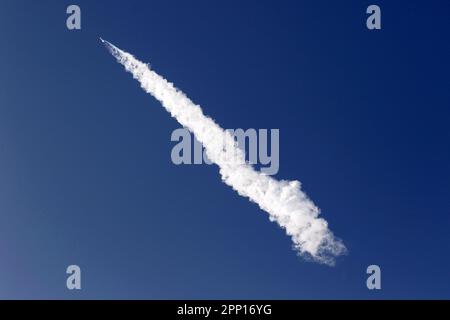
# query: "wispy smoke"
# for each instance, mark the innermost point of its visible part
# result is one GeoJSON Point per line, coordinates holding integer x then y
{"type": "Point", "coordinates": [283, 200]}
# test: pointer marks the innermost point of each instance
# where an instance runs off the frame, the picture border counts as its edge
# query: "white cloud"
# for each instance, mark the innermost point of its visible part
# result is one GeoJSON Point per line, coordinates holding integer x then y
{"type": "Point", "coordinates": [284, 201]}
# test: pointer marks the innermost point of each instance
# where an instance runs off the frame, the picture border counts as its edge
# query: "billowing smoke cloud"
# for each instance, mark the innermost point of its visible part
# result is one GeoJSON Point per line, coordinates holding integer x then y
{"type": "Point", "coordinates": [282, 200]}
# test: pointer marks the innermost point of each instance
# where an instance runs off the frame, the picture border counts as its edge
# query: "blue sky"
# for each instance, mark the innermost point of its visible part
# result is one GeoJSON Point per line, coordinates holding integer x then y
{"type": "Point", "coordinates": [85, 170]}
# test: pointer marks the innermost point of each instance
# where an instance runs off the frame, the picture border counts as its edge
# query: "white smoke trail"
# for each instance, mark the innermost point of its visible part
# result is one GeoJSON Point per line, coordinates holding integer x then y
{"type": "Point", "coordinates": [283, 200]}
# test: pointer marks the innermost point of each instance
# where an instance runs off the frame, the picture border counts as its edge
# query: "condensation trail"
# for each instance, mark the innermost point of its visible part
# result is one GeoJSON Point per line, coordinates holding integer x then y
{"type": "Point", "coordinates": [284, 201]}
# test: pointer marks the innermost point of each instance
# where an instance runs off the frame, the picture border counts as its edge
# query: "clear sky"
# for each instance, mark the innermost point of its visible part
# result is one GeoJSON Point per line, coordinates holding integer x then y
{"type": "Point", "coordinates": [86, 176]}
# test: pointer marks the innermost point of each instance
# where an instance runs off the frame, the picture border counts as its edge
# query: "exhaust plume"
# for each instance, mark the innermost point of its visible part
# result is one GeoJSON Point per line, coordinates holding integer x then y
{"type": "Point", "coordinates": [284, 201]}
